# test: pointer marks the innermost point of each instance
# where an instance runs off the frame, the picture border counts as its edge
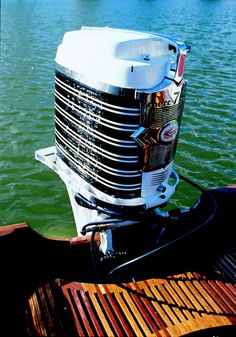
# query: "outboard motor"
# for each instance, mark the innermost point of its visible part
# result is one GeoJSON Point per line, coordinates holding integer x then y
{"type": "Point", "coordinates": [119, 99]}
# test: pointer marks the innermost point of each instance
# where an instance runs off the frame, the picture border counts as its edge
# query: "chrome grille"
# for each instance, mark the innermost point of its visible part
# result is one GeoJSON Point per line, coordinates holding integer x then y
{"type": "Point", "coordinates": [92, 136]}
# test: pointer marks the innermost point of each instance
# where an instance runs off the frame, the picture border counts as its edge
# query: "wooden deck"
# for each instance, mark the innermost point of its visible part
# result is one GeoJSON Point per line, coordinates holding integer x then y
{"type": "Point", "coordinates": [46, 290]}
{"type": "Point", "coordinates": [172, 306]}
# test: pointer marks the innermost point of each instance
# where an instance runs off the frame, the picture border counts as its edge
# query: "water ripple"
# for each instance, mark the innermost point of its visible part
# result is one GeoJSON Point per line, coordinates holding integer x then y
{"type": "Point", "coordinates": [31, 32]}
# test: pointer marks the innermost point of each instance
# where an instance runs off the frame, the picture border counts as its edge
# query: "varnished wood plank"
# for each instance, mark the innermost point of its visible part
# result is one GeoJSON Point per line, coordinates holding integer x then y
{"type": "Point", "coordinates": [179, 314]}
{"type": "Point", "coordinates": [78, 326]}
{"type": "Point", "coordinates": [117, 311]}
{"type": "Point", "coordinates": [46, 312]}
{"type": "Point", "coordinates": [179, 303]}
{"type": "Point", "coordinates": [146, 310]}
{"type": "Point", "coordinates": [54, 314]}
{"type": "Point", "coordinates": [230, 294]}
{"type": "Point", "coordinates": [101, 316]}
{"type": "Point", "coordinates": [213, 295]}
{"type": "Point", "coordinates": [189, 295]}
{"type": "Point", "coordinates": [170, 313]}
{"type": "Point", "coordinates": [148, 299]}
{"type": "Point", "coordinates": [37, 316]}
{"type": "Point", "coordinates": [231, 287]}
{"type": "Point", "coordinates": [196, 325]}
{"type": "Point", "coordinates": [194, 296]}
{"type": "Point", "coordinates": [137, 313]}
{"type": "Point", "coordinates": [173, 291]}
{"type": "Point", "coordinates": [128, 314]}
{"type": "Point", "coordinates": [201, 296]}
{"type": "Point", "coordinates": [187, 324]}
{"type": "Point", "coordinates": [6, 230]}
{"type": "Point", "coordinates": [156, 303]}
{"type": "Point", "coordinates": [91, 315]}
{"type": "Point", "coordinates": [133, 302]}
{"type": "Point", "coordinates": [207, 297]}
{"type": "Point", "coordinates": [168, 307]}
{"type": "Point", "coordinates": [186, 303]}
{"type": "Point", "coordinates": [30, 326]}
{"type": "Point", "coordinates": [188, 314]}
{"type": "Point", "coordinates": [152, 283]}
{"type": "Point", "coordinates": [111, 317]}
{"type": "Point", "coordinates": [164, 299]}
{"type": "Point", "coordinates": [229, 307]}
{"type": "Point", "coordinates": [168, 299]}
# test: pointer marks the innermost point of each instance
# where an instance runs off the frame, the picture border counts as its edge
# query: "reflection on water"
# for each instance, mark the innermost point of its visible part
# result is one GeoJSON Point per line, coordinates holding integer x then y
{"type": "Point", "coordinates": [31, 32]}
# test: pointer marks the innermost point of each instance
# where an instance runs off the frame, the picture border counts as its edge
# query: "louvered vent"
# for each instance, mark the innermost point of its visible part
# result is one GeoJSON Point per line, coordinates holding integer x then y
{"type": "Point", "coordinates": [92, 131]}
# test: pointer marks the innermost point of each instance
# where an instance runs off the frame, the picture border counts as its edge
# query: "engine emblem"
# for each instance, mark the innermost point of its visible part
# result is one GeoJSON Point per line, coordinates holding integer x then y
{"type": "Point", "coordinates": [169, 131]}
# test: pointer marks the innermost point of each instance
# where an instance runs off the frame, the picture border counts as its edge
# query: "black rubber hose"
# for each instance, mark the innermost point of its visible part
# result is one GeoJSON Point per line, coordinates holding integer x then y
{"type": "Point", "coordinates": [168, 244]}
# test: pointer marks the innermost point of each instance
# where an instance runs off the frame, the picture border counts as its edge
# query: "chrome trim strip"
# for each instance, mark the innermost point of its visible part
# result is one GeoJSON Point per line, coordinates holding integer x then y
{"type": "Point", "coordinates": [91, 131]}
{"type": "Point", "coordinates": [95, 101]}
{"type": "Point", "coordinates": [94, 148]}
{"type": "Point", "coordinates": [80, 154]}
{"type": "Point", "coordinates": [93, 117]}
{"type": "Point", "coordinates": [100, 179]}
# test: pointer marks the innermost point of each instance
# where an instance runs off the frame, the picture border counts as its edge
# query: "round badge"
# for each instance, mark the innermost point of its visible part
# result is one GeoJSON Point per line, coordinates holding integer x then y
{"type": "Point", "coordinates": [169, 131]}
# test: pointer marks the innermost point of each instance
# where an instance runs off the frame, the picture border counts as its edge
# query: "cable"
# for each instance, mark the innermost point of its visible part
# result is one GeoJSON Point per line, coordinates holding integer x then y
{"type": "Point", "coordinates": [168, 244]}
{"type": "Point", "coordinates": [92, 250]}
{"type": "Point", "coordinates": [144, 216]}
{"type": "Point", "coordinates": [82, 201]}
{"type": "Point", "coordinates": [96, 225]}
{"type": "Point", "coordinates": [133, 215]}
{"type": "Point", "coordinates": [198, 187]}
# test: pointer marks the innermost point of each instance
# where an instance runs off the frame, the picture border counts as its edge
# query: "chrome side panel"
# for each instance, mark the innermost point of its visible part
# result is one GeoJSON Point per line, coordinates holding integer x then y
{"type": "Point", "coordinates": [157, 135]}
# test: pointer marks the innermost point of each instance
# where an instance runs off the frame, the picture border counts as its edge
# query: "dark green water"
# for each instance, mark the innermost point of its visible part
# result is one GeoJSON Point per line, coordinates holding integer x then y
{"type": "Point", "coordinates": [31, 32]}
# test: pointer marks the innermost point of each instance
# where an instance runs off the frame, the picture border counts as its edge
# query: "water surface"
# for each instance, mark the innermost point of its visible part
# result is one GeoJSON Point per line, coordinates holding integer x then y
{"type": "Point", "coordinates": [31, 32]}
